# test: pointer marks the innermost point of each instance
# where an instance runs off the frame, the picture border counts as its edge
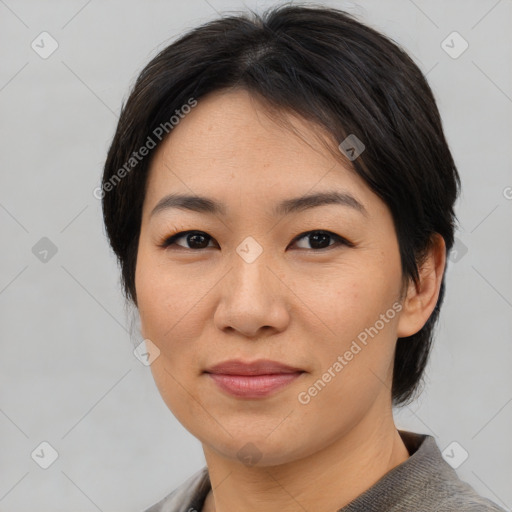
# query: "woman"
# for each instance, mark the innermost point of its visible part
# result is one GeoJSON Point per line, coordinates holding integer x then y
{"type": "Point", "coordinates": [279, 193]}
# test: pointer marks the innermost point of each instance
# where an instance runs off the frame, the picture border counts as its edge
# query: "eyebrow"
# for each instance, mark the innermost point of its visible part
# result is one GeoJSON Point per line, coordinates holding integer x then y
{"type": "Point", "coordinates": [206, 205]}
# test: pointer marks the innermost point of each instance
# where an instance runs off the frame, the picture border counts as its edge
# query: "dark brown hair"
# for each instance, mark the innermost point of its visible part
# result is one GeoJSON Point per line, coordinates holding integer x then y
{"type": "Point", "coordinates": [331, 69]}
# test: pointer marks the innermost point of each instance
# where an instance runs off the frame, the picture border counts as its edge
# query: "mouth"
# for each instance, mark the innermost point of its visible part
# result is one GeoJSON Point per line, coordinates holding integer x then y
{"type": "Point", "coordinates": [252, 380]}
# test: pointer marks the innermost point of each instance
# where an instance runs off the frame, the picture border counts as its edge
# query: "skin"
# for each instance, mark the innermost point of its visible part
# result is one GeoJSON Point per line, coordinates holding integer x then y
{"type": "Point", "coordinates": [295, 303]}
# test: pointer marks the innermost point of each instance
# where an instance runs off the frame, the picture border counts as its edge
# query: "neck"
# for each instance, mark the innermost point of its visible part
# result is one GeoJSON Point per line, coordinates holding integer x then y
{"type": "Point", "coordinates": [324, 481]}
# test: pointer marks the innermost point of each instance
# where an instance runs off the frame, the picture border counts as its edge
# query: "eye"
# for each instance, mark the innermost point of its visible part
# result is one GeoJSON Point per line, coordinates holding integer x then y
{"type": "Point", "coordinates": [196, 240]}
{"type": "Point", "coordinates": [319, 239]}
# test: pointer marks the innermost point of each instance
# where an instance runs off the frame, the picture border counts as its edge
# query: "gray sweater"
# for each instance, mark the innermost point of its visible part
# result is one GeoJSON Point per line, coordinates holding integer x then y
{"type": "Point", "coordinates": [425, 482]}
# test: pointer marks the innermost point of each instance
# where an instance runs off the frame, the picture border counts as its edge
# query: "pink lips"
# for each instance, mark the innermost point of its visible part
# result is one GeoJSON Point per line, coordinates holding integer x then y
{"type": "Point", "coordinates": [252, 380]}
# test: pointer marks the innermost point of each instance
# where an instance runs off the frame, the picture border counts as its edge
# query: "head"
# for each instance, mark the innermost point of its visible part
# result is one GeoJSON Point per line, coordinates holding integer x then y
{"type": "Point", "coordinates": [254, 115]}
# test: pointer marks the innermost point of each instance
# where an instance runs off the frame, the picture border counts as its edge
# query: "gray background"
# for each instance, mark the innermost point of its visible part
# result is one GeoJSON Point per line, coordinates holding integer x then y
{"type": "Point", "coordinates": [68, 375]}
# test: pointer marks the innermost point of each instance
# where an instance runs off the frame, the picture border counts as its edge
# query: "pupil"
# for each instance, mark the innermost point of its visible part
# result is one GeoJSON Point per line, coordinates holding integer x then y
{"type": "Point", "coordinates": [195, 238]}
{"type": "Point", "coordinates": [315, 238]}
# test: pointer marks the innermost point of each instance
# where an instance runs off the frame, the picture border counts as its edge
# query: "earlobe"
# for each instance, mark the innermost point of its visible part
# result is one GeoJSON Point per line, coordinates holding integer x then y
{"type": "Point", "coordinates": [421, 297]}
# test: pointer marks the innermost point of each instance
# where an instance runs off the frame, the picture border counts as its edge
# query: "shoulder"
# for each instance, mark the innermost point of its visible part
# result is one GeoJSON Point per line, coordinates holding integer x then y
{"type": "Point", "coordinates": [468, 503]}
{"type": "Point", "coordinates": [425, 481]}
{"type": "Point", "coordinates": [439, 484]}
{"type": "Point", "coordinates": [460, 496]}
{"type": "Point", "coordinates": [187, 497]}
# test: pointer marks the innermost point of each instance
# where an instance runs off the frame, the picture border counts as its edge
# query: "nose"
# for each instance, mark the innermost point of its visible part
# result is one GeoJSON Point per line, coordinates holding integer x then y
{"type": "Point", "coordinates": [253, 299]}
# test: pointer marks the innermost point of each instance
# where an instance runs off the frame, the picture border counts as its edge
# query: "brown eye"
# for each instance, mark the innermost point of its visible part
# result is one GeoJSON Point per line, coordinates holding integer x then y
{"type": "Point", "coordinates": [319, 239]}
{"type": "Point", "coordinates": [194, 239]}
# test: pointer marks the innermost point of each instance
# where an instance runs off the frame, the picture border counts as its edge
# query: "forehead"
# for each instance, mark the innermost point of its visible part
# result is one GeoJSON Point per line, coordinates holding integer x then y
{"type": "Point", "coordinates": [229, 142]}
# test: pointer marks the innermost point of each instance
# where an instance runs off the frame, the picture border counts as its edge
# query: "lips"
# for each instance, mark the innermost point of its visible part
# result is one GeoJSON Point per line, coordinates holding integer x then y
{"type": "Point", "coordinates": [260, 367]}
{"type": "Point", "coordinates": [254, 380]}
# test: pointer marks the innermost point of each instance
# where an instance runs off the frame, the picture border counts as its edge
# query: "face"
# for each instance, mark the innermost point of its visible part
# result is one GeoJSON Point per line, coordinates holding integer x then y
{"type": "Point", "coordinates": [314, 286]}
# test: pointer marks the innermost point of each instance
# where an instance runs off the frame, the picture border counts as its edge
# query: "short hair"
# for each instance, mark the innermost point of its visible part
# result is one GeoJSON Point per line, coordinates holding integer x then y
{"type": "Point", "coordinates": [327, 67]}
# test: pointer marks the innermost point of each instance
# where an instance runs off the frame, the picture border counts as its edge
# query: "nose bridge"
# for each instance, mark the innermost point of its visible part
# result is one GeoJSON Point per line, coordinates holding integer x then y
{"type": "Point", "coordinates": [251, 298]}
{"type": "Point", "coordinates": [249, 268]}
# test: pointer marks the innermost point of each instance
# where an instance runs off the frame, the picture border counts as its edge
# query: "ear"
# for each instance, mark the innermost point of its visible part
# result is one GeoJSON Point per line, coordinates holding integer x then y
{"type": "Point", "coordinates": [421, 299]}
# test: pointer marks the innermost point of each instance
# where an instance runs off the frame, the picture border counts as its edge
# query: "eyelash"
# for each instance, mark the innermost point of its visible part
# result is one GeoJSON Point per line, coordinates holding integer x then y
{"type": "Point", "coordinates": [340, 241]}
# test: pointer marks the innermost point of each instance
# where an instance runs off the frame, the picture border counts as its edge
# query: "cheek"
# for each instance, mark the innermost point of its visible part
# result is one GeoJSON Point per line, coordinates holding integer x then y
{"type": "Point", "coordinates": [169, 319]}
{"type": "Point", "coordinates": [350, 297]}
{"type": "Point", "coordinates": [171, 307]}
{"type": "Point", "coordinates": [160, 298]}
{"type": "Point", "coordinates": [359, 312]}
{"type": "Point", "coordinates": [157, 288]}
{"type": "Point", "coordinates": [150, 295]}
